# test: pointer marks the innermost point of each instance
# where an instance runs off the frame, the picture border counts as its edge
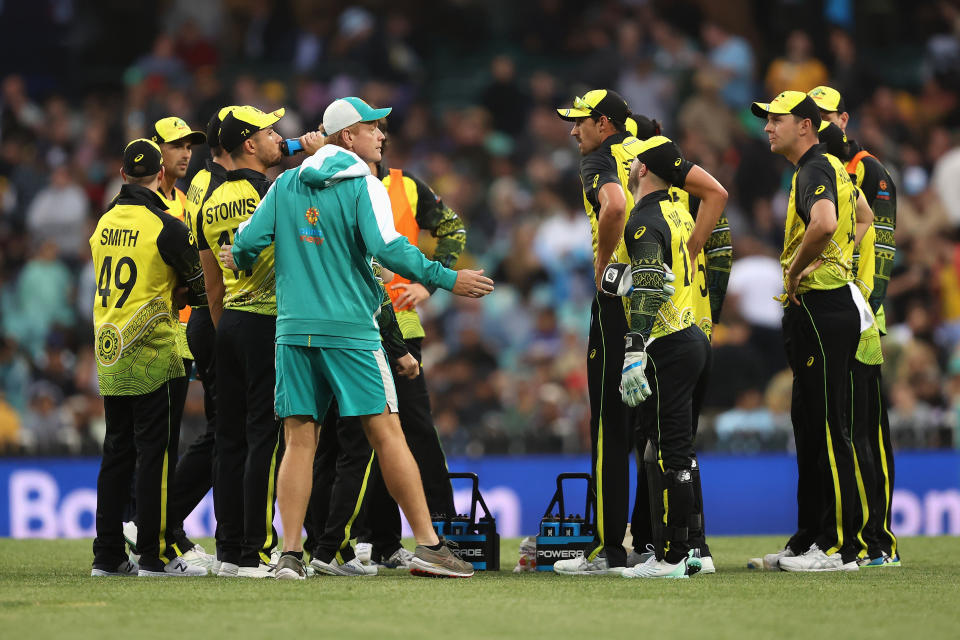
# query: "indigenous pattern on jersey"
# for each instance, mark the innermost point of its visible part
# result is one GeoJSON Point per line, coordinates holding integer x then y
{"type": "Point", "coordinates": [821, 176]}
{"type": "Point", "coordinates": [390, 332]}
{"type": "Point", "coordinates": [656, 235]}
{"type": "Point", "coordinates": [226, 208]}
{"type": "Point", "coordinates": [140, 254]}
{"type": "Point", "coordinates": [415, 208]}
{"type": "Point", "coordinates": [868, 349]}
{"type": "Point", "coordinates": [714, 262]}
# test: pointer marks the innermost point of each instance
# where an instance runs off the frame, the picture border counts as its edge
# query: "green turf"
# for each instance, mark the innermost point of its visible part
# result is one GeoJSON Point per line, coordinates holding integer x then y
{"type": "Point", "coordinates": [46, 592]}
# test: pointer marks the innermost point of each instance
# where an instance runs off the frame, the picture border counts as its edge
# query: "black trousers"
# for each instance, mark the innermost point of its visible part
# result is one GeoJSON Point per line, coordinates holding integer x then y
{"type": "Point", "coordinates": [248, 438]}
{"type": "Point", "coordinates": [820, 337]}
{"type": "Point", "coordinates": [640, 526]}
{"type": "Point", "coordinates": [195, 471]}
{"type": "Point", "coordinates": [381, 522]}
{"type": "Point", "coordinates": [676, 368]}
{"type": "Point", "coordinates": [341, 480]}
{"type": "Point", "coordinates": [140, 444]}
{"type": "Point", "coordinates": [872, 446]}
{"type": "Point", "coordinates": [611, 437]}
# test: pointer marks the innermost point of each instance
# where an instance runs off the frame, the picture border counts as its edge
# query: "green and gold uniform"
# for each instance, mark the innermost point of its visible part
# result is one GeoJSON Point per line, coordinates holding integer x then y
{"type": "Point", "coordinates": [141, 254]}
{"type": "Point", "coordinates": [677, 355]}
{"type": "Point", "coordinates": [821, 337]}
{"type": "Point", "coordinates": [247, 434]}
{"type": "Point", "coordinates": [177, 207]}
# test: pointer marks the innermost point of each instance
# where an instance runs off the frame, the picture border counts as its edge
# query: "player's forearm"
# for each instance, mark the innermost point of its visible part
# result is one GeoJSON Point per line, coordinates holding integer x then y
{"type": "Point", "coordinates": [647, 272]}
{"type": "Point", "coordinates": [610, 225]}
{"type": "Point", "coordinates": [451, 239]}
{"type": "Point", "coordinates": [213, 284]}
{"type": "Point", "coordinates": [713, 199]}
{"type": "Point", "coordinates": [815, 240]}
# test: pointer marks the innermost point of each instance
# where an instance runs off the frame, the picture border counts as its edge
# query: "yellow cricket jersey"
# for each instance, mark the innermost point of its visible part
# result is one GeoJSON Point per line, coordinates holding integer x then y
{"type": "Point", "coordinates": [701, 299]}
{"type": "Point", "coordinates": [140, 254]}
{"type": "Point", "coordinates": [868, 349]}
{"type": "Point", "coordinates": [821, 176]}
{"type": "Point", "coordinates": [610, 163]}
{"type": "Point", "coordinates": [225, 209]}
{"type": "Point", "coordinates": [177, 207]}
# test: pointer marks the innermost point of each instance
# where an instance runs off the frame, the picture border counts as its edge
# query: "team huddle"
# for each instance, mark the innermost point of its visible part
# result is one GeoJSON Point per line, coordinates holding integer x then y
{"type": "Point", "coordinates": [294, 301]}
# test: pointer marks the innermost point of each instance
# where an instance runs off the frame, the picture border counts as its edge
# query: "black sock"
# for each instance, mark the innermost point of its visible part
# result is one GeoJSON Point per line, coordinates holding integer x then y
{"type": "Point", "coordinates": [296, 554]}
{"type": "Point", "coordinates": [434, 547]}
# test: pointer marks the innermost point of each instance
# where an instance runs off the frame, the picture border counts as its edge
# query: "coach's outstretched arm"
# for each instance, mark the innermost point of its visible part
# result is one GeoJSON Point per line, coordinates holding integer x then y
{"type": "Point", "coordinates": [394, 251]}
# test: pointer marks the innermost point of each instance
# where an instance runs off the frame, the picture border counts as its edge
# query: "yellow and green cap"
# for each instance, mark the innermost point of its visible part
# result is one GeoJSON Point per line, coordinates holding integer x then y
{"type": "Point", "coordinates": [661, 155]}
{"type": "Point", "coordinates": [141, 158]}
{"type": "Point", "coordinates": [172, 128]}
{"type": "Point", "coordinates": [602, 102]}
{"type": "Point", "coordinates": [789, 102]}
{"type": "Point", "coordinates": [242, 122]}
{"type": "Point", "coordinates": [828, 99]}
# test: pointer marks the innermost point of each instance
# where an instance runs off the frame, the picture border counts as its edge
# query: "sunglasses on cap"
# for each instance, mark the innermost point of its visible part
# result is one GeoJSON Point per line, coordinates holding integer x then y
{"type": "Point", "coordinates": [580, 103]}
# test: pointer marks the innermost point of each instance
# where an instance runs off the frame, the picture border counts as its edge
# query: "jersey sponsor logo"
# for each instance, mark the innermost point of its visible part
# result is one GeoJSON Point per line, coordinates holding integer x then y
{"type": "Point", "coordinates": [593, 354]}
{"type": "Point", "coordinates": [230, 209]}
{"type": "Point", "coordinates": [311, 234]}
{"type": "Point", "coordinates": [138, 158]}
{"type": "Point", "coordinates": [108, 344]}
{"type": "Point", "coordinates": [810, 361]}
{"type": "Point", "coordinates": [677, 162]}
{"type": "Point", "coordinates": [820, 190]}
{"type": "Point", "coordinates": [883, 195]}
{"type": "Point", "coordinates": [883, 185]}
{"type": "Point", "coordinates": [119, 237]}
{"type": "Point", "coordinates": [639, 233]}
{"type": "Point", "coordinates": [311, 215]}
{"type": "Point", "coordinates": [596, 180]}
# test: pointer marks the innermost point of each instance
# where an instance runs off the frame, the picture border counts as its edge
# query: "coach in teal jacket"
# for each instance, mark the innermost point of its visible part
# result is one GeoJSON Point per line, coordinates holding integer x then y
{"type": "Point", "coordinates": [328, 219]}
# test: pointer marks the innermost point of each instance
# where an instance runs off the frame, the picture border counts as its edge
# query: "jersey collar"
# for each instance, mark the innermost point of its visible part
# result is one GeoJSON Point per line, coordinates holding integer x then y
{"type": "Point", "coordinates": [138, 194]}
{"type": "Point", "coordinates": [815, 150]}
{"type": "Point", "coordinates": [215, 168]}
{"type": "Point", "coordinates": [611, 140]}
{"type": "Point", "coordinates": [654, 196]}
{"type": "Point", "coordinates": [245, 174]}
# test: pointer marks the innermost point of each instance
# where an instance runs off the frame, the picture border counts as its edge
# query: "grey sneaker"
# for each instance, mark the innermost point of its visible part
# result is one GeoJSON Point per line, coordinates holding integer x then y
{"type": "Point", "coordinates": [634, 558]}
{"type": "Point", "coordinates": [439, 564]}
{"type": "Point", "coordinates": [399, 559]}
{"type": "Point", "coordinates": [353, 568]}
{"type": "Point", "coordinates": [290, 568]}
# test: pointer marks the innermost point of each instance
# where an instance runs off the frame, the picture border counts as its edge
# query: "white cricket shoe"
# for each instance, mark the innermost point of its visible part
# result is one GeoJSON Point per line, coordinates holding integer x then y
{"type": "Point", "coordinates": [706, 562]}
{"type": "Point", "coordinates": [228, 570]}
{"type": "Point", "coordinates": [771, 561]}
{"type": "Point", "coordinates": [580, 566]}
{"type": "Point", "coordinates": [399, 559]}
{"type": "Point", "coordinates": [364, 551]}
{"type": "Point", "coordinates": [816, 560]}
{"type": "Point", "coordinates": [260, 571]}
{"type": "Point", "coordinates": [198, 557]}
{"type": "Point", "coordinates": [126, 568]}
{"type": "Point", "coordinates": [654, 568]}
{"type": "Point", "coordinates": [130, 535]}
{"type": "Point", "coordinates": [352, 568]}
{"type": "Point", "coordinates": [176, 568]}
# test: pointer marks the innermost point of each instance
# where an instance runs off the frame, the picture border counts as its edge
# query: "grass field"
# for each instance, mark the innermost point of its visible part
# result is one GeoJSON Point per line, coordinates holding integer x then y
{"type": "Point", "coordinates": [46, 592]}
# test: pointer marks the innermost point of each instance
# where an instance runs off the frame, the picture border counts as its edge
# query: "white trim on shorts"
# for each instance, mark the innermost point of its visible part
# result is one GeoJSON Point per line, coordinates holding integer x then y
{"type": "Point", "coordinates": [389, 390]}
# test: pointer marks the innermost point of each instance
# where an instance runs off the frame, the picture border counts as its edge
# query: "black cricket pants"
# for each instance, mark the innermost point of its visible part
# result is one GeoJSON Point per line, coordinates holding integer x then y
{"type": "Point", "coordinates": [248, 437]}
{"type": "Point", "coordinates": [677, 366]}
{"type": "Point", "coordinates": [195, 471]}
{"type": "Point", "coordinates": [610, 433]}
{"type": "Point", "coordinates": [640, 518]}
{"type": "Point", "coordinates": [140, 444]}
{"type": "Point", "coordinates": [341, 478]}
{"type": "Point", "coordinates": [381, 522]}
{"type": "Point", "coordinates": [872, 446]}
{"type": "Point", "coordinates": [820, 337]}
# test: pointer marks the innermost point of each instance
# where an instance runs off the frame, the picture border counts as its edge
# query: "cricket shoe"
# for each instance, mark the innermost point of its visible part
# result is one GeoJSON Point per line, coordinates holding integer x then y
{"type": "Point", "coordinates": [176, 568]}
{"type": "Point", "coordinates": [634, 558]}
{"type": "Point", "coordinates": [228, 570]}
{"type": "Point", "coordinates": [771, 561]}
{"type": "Point", "coordinates": [352, 568]}
{"type": "Point", "coordinates": [198, 557]}
{"type": "Point", "coordinates": [883, 561]}
{"type": "Point", "coordinates": [815, 560]}
{"type": "Point", "coordinates": [364, 551]}
{"type": "Point", "coordinates": [290, 568]}
{"type": "Point", "coordinates": [706, 562]}
{"type": "Point", "coordinates": [439, 563]}
{"type": "Point", "coordinates": [654, 568]}
{"type": "Point", "coordinates": [399, 559]}
{"type": "Point", "coordinates": [260, 571]}
{"type": "Point", "coordinates": [580, 566]}
{"type": "Point", "coordinates": [126, 568]}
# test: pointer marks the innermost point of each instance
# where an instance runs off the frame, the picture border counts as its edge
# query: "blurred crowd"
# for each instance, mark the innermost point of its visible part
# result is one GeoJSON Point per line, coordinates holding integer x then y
{"type": "Point", "coordinates": [474, 86]}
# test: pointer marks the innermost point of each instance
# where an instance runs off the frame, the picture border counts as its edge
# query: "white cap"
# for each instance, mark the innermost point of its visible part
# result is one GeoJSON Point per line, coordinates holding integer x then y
{"type": "Point", "coordinates": [348, 111]}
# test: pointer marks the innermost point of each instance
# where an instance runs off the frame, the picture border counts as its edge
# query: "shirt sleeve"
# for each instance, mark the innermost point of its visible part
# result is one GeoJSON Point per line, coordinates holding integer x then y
{"type": "Point", "coordinates": [174, 246]}
{"type": "Point", "coordinates": [647, 243]}
{"type": "Point", "coordinates": [257, 232]}
{"type": "Point", "coordinates": [681, 176]}
{"type": "Point", "coordinates": [392, 250]}
{"type": "Point", "coordinates": [442, 222]}
{"type": "Point", "coordinates": [815, 182]}
{"type": "Point", "coordinates": [596, 170]}
{"type": "Point", "coordinates": [884, 205]}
